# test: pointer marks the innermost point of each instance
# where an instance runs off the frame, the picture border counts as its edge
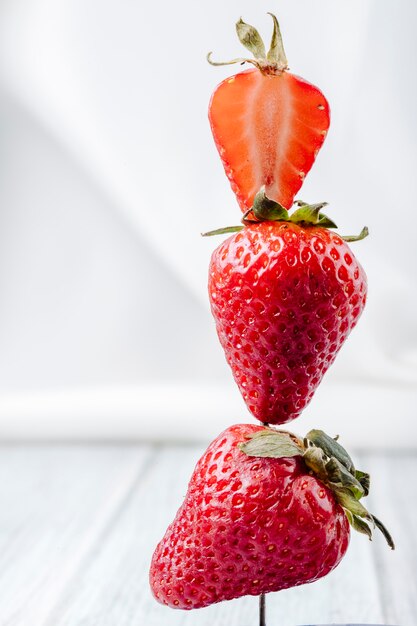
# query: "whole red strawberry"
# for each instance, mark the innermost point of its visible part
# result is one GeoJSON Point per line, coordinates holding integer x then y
{"type": "Point", "coordinates": [250, 525]}
{"type": "Point", "coordinates": [284, 295]}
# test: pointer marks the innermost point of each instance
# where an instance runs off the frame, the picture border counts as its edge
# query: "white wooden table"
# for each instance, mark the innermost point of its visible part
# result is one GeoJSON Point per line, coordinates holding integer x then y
{"type": "Point", "coordinates": [78, 525]}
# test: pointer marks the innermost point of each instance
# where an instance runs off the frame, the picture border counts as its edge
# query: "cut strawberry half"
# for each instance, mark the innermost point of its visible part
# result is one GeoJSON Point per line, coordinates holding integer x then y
{"type": "Point", "coordinates": [268, 124]}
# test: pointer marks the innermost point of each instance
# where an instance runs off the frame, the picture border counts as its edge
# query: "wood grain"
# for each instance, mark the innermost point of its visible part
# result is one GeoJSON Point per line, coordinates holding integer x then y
{"type": "Point", "coordinates": [78, 526]}
{"type": "Point", "coordinates": [393, 498]}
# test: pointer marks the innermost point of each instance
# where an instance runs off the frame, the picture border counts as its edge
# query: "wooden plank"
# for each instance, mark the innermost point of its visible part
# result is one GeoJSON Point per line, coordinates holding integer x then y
{"type": "Point", "coordinates": [79, 525]}
{"type": "Point", "coordinates": [393, 499]}
{"type": "Point", "coordinates": [55, 502]}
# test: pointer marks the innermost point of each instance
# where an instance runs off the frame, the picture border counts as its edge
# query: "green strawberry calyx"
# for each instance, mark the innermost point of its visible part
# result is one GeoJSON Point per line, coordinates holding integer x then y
{"type": "Point", "coordinates": [266, 210]}
{"type": "Point", "coordinates": [273, 62]}
{"type": "Point", "coordinates": [330, 463]}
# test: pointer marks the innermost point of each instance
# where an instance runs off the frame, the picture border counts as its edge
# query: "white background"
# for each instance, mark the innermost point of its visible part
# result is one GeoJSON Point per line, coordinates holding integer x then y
{"type": "Point", "coordinates": [109, 173]}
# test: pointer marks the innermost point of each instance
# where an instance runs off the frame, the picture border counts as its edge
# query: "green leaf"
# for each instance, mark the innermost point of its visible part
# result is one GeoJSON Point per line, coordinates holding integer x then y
{"type": "Point", "coordinates": [331, 447]}
{"type": "Point", "coordinates": [384, 531]}
{"type": "Point", "coordinates": [251, 39]}
{"type": "Point", "coordinates": [349, 502]}
{"type": "Point", "coordinates": [308, 213]}
{"type": "Point", "coordinates": [338, 476]}
{"type": "Point", "coordinates": [359, 524]}
{"type": "Point", "coordinates": [364, 233]}
{"type": "Point", "coordinates": [316, 460]}
{"type": "Point", "coordinates": [266, 209]}
{"type": "Point", "coordinates": [223, 231]}
{"type": "Point", "coordinates": [326, 222]}
{"type": "Point", "coordinates": [330, 462]}
{"type": "Point", "coordinates": [276, 53]}
{"type": "Point", "coordinates": [364, 479]}
{"type": "Point", "coordinates": [272, 444]}
{"type": "Point", "coordinates": [331, 471]}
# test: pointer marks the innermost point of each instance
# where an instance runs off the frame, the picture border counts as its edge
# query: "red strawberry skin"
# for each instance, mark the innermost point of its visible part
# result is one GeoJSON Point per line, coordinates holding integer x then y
{"type": "Point", "coordinates": [284, 298]}
{"type": "Point", "coordinates": [268, 129]}
{"type": "Point", "coordinates": [247, 526]}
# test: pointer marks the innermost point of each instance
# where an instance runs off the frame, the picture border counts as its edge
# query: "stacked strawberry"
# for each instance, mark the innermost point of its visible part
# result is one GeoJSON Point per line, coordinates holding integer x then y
{"type": "Point", "coordinates": [266, 510]}
{"type": "Point", "coordinates": [285, 296]}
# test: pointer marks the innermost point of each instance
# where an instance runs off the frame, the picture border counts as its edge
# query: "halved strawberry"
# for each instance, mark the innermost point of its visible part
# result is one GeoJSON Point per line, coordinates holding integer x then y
{"type": "Point", "coordinates": [268, 124]}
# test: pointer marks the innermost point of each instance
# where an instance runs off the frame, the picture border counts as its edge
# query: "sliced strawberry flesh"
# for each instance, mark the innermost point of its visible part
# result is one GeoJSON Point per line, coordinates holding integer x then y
{"type": "Point", "coordinates": [268, 130]}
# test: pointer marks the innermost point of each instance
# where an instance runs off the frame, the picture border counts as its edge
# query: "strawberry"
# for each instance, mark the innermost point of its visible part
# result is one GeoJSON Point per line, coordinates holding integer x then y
{"type": "Point", "coordinates": [285, 294]}
{"type": "Point", "coordinates": [268, 124]}
{"type": "Point", "coordinates": [264, 511]}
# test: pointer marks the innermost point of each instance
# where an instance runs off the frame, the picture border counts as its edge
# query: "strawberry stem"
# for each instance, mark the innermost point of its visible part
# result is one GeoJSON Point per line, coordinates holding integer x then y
{"type": "Point", "coordinates": [265, 209]}
{"type": "Point", "coordinates": [275, 62]}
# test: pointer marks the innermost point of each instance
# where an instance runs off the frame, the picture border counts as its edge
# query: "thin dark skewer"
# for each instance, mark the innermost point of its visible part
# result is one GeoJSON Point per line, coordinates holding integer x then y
{"type": "Point", "coordinates": [262, 608]}
{"type": "Point", "coordinates": [262, 612]}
